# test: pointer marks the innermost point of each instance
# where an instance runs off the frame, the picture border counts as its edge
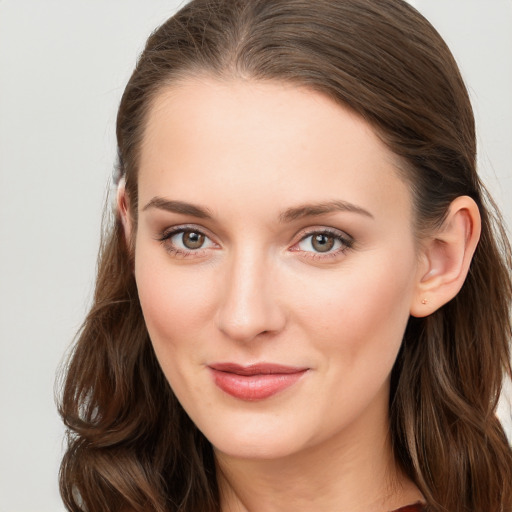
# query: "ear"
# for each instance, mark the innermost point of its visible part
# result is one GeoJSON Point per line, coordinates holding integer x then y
{"type": "Point", "coordinates": [123, 210]}
{"type": "Point", "coordinates": [446, 256]}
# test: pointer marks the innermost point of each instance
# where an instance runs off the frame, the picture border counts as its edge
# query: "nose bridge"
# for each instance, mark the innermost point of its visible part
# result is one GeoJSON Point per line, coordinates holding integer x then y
{"type": "Point", "coordinates": [248, 305]}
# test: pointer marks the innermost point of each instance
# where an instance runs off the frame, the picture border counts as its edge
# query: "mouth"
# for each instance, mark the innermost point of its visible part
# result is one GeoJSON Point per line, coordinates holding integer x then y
{"type": "Point", "coordinates": [255, 382]}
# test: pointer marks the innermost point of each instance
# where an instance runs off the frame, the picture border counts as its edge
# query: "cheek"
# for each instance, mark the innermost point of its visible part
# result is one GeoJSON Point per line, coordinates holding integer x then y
{"type": "Point", "coordinates": [175, 300]}
{"type": "Point", "coordinates": [176, 305]}
{"type": "Point", "coordinates": [360, 313]}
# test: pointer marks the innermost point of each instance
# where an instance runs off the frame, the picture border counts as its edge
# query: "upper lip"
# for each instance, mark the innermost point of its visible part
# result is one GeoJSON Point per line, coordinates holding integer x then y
{"type": "Point", "coordinates": [256, 368]}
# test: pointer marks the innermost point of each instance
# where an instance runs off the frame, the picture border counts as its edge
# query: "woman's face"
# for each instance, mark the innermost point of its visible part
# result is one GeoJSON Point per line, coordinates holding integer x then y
{"type": "Point", "coordinates": [275, 262]}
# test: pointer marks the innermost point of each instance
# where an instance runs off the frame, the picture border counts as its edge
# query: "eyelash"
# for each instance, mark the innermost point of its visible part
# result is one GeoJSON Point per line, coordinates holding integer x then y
{"type": "Point", "coordinates": [345, 241]}
{"type": "Point", "coordinates": [166, 236]}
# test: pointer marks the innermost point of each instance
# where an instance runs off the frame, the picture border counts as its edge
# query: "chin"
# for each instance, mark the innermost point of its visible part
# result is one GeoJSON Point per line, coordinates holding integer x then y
{"type": "Point", "coordinates": [255, 437]}
{"type": "Point", "coordinates": [256, 449]}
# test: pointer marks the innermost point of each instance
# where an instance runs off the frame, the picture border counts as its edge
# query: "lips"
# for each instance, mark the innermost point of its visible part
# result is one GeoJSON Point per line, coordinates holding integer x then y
{"type": "Point", "coordinates": [255, 382]}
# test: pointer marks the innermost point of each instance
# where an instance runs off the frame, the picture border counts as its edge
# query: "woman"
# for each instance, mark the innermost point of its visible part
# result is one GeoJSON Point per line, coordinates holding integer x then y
{"type": "Point", "coordinates": [302, 303]}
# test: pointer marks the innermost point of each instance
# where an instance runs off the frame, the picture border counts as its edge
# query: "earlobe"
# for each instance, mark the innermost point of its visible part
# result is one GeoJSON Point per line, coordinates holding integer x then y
{"type": "Point", "coordinates": [446, 257]}
{"type": "Point", "coordinates": [123, 210]}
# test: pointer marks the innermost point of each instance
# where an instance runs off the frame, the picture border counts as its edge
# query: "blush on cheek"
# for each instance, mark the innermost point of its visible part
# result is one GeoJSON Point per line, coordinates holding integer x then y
{"type": "Point", "coordinates": [367, 313]}
{"type": "Point", "coordinates": [174, 306]}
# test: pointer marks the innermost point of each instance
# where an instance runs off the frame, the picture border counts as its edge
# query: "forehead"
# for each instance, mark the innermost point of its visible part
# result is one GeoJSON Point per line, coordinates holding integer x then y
{"type": "Point", "coordinates": [213, 140]}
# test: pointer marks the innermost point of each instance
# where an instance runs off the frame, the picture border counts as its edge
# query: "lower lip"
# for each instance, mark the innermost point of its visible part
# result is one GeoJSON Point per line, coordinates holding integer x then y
{"type": "Point", "coordinates": [254, 387]}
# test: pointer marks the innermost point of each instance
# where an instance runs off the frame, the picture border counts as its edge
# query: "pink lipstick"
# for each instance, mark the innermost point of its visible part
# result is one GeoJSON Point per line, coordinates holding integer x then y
{"type": "Point", "coordinates": [256, 381]}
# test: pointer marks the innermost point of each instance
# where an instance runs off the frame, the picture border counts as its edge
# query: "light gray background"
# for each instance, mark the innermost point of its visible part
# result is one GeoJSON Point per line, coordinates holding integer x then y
{"type": "Point", "coordinates": [63, 66]}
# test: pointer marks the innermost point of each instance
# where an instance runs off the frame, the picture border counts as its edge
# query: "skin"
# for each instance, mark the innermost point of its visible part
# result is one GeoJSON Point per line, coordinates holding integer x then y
{"type": "Point", "coordinates": [258, 290]}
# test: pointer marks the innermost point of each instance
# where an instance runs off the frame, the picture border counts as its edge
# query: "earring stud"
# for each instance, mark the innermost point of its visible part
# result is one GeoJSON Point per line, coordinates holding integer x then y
{"type": "Point", "coordinates": [424, 301]}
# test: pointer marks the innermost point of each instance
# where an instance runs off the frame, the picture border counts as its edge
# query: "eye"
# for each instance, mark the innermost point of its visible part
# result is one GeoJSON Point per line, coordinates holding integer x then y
{"type": "Point", "coordinates": [184, 242]}
{"type": "Point", "coordinates": [319, 242]}
{"type": "Point", "coordinates": [324, 242]}
{"type": "Point", "coordinates": [189, 240]}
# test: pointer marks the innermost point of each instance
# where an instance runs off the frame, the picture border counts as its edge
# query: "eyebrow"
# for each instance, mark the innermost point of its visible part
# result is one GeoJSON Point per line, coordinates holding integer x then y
{"type": "Point", "coordinates": [289, 215]}
{"type": "Point", "coordinates": [316, 209]}
{"type": "Point", "coordinates": [178, 207]}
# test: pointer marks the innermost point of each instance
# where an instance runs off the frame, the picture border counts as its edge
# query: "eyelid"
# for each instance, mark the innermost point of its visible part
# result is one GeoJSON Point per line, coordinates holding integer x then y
{"type": "Point", "coordinates": [165, 236]}
{"type": "Point", "coordinates": [182, 227]}
{"type": "Point", "coordinates": [313, 230]}
{"type": "Point", "coordinates": [346, 240]}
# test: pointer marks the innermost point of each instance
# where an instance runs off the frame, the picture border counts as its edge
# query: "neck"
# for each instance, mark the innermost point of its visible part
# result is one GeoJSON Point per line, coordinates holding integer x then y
{"type": "Point", "coordinates": [353, 471]}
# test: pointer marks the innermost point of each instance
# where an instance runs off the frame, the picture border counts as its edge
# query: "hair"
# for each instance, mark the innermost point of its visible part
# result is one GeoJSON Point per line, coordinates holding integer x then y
{"type": "Point", "coordinates": [130, 443]}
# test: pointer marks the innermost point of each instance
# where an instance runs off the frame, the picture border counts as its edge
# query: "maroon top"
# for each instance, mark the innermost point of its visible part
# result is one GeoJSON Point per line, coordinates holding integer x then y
{"type": "Point", "coordinates": [417, 507]}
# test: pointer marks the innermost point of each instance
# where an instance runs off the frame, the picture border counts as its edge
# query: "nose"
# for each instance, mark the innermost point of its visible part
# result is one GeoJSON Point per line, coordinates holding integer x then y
{"type": "Point", "coordinates": [248, 305]}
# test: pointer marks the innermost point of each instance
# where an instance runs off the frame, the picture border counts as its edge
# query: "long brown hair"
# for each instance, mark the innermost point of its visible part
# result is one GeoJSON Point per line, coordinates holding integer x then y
{"type": "Point", "coordinates": [131, 445]}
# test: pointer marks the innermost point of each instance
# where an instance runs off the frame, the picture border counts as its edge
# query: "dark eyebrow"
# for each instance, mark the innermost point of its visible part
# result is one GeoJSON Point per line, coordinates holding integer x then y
{"type": "Point", "coordinates": [177, 207]}
{"type": "Point", "coordinates": [289, 215]}
{"type": "Point", "coordinates": [307, 210]}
